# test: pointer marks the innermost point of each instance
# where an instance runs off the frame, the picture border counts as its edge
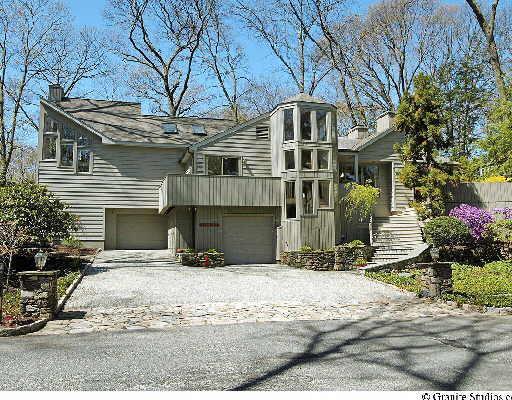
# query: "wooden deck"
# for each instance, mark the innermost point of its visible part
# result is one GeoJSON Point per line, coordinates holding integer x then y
{"type": "Point", "coordinates": [222, 191]}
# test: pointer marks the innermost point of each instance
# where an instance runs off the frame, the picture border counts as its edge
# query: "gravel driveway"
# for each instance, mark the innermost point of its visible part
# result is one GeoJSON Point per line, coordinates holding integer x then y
{"type": "Point", "coordinates": [135, 278]}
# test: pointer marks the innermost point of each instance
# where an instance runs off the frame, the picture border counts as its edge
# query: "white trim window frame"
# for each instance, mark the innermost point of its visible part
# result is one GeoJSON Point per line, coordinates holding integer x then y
{"type": "Point", "coordinates": [44, 147]}
{"type": "Point", "coordinates": [329, 194]}
{"type": "Point", "coordinates": [85, 147]}
{"type": "Point", "coordinates": [288, 151]}
{"type": "Point", "coordinates": [317, 159]}
{"type": "Point", "coordinates": [326, 122]}
{"type": "Point", "coordinates": [302, 197]}
{"type": "Point", "coordinates": [311, 128]}
{"type": "Point", "coordinates": [312, 158]}
{"type": "Point", "coordinates": [285, 199]}
{"type": "Point", "coordinates": [222, 157]}
{"type": "Point", "coordinates": [294, 130]}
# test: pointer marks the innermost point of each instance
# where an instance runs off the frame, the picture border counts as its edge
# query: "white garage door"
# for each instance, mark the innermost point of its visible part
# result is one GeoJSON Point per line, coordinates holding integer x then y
{"type": "Point", "coordinates": [248, 239]}
{"type": "Point", "coordinates": [141, 232]}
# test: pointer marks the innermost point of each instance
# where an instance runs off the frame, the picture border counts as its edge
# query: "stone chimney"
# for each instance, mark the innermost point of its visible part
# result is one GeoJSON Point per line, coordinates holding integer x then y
{"type": "Point", "coordinates": [55, 93]}
{"type": "Point", "coordinates": [385, 121]}
{"type": "Point", "coordinates": [358, 132]}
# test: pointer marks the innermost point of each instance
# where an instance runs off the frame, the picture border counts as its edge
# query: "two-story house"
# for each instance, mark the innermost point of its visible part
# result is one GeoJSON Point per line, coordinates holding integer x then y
{"type": "Point", "coordinates": [251, 189]}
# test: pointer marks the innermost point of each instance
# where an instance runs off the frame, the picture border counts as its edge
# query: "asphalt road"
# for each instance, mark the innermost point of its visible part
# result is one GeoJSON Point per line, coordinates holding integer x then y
{"type": "Point", "coordinates": [372, 354]}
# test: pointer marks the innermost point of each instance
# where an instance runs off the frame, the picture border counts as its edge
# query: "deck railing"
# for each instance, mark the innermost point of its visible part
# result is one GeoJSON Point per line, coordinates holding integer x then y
{"type": "Point", "coordinates": [212, 190]}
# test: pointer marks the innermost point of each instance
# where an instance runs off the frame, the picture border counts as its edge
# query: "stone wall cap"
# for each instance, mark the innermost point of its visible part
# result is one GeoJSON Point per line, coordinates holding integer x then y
{"type": "Point", "coordinates": [41, 273]}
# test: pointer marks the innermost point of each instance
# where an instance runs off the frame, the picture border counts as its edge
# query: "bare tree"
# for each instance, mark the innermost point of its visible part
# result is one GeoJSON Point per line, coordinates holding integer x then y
{"type": "Point", "coordinates": [163, 39]}
{"type": "Point", "coordinates": [488, 26]}
{"type": "Point", "coordinates": [23, 163]}
{"type": "Point", "coordinates": [275, 23]}
{"type": "Point", "coordinates": [225, 60]}
{"type": "Point", "coordinates": [27, 28]}
{"type": "Point", "coordinates": [73, 57]}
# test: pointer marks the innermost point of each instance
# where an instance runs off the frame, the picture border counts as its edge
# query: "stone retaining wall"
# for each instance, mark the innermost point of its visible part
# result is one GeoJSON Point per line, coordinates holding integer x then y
{"type": "Point", "coordinates": [38, 294]}
{"type": "Point", "coordinates": [201, 259]}
{"type": "Point", "coordinates": [437, 279]}
{"type": "Point", "coordinates": [340, 259]}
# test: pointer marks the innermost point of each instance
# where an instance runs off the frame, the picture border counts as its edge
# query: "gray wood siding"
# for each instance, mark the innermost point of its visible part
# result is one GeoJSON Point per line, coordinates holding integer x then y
{"type": "Point", "coordinates": [209, 223]}
{"type": "Point", "coordinates": [382, 149]}
{"type": "Point", "coordinates": [255, 152]}
{"type": "Point", "coordinates": [200, 190]}
{"type": "Point", "coordinates": [403, 195]}
{"type": "Point", "coordinates": [484, 195]}
{"type": "Point", "coordinates": [123, 177]}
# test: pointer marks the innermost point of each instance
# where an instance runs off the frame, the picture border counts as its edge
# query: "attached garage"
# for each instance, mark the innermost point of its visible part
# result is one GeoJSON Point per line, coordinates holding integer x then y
{"type": "Point", "coordinates": [136, 230]}
{"type": "Point", "coordinates": [248, 239]}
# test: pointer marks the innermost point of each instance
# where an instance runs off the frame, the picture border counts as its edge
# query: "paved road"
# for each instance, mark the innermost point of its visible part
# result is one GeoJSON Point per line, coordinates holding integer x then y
{"type": "Point", "coordinates": [373, 353]}
{"type": "Point", "coordinates": [136, 278]}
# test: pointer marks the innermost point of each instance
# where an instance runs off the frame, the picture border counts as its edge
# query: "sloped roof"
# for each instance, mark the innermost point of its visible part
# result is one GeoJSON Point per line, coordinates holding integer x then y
{"type": "Point", "coordinates": [348, 144]}
{"type": "Point", "coordinates": [122, 122]}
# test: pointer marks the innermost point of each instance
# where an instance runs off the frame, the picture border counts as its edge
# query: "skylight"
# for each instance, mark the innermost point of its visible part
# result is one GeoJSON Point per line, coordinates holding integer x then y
{"type": "Point", "coordinates": [169, 127]}
{"type": "Point", "coordinates": [198, 130]}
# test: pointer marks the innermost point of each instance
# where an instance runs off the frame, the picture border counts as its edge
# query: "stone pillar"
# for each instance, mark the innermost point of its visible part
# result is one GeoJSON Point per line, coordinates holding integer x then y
{"type": "Point", "coordinates": [38, 294]}
{"type": "Point", "coordinates": [437, 278]}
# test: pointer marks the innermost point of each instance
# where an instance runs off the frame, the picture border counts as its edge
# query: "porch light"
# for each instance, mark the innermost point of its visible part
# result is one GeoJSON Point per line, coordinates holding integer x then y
{"type": "Point", "coordinates": [40, 259]}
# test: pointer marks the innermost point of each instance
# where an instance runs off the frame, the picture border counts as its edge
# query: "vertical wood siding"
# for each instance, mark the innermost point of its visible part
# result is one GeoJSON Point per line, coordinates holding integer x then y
{"type": "Point", "coordinates": [484, 195]}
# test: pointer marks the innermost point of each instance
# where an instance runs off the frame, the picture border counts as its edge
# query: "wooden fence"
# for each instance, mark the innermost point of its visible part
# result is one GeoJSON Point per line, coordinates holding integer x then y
{"type": "Point", "coordinates": [484, 195]}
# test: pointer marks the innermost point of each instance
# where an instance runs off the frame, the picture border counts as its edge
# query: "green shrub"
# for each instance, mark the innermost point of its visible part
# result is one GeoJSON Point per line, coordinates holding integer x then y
{"type": "Point", "coordinates": [490, 285]}
{"type": "Point", "coordinates": [305, 249]}
{"type": "Point", "coordinates": [65, 281]}
{"type": "Point", "coordinates": [38, 212]}
{"type": "Point", "coordinates": [411, 282]}
{"type": "Point", "coordinates": [447, 231]}
{"type": "Point", "coordinates": [500, 230]}
{"type": "Point", "coordinates": [355, 243]}
{"type": "Point", "coordinates": [213, 251]}
{"type": "Point", "coordinates": [12, 303]}
{"type": "Point", "coordinates": [361, 199]}
{"type": "Point", "coordinates": [72, 242]}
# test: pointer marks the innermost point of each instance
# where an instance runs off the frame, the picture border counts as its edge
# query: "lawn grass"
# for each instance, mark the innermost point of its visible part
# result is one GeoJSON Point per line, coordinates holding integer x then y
{"type": "Point", "coordinates": [490, 285]}
{"type": "Point", "coordinates": [410, 283]}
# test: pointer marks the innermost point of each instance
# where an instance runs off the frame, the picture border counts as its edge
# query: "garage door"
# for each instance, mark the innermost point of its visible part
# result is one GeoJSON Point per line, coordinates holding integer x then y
{"type": "Point", "coordinates": [141, 232]}
{"type": "Point", "coordinates": [248, 239]}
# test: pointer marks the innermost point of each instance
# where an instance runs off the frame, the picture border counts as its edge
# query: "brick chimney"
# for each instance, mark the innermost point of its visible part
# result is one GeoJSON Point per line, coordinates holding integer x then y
{"type": "Point", "coordinates": [358, 132]}
{"type": "Point", "coordinates": [385, 121]}
{"type": "Point", "coordinates": [55, 93]}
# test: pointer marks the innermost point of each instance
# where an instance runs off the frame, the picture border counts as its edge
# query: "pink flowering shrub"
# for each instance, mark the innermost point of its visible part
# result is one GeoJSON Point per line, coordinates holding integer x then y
{"type": "Point", "coordinates": [504, 213]}
{"type": "Point", "coordinates": [475, 218]}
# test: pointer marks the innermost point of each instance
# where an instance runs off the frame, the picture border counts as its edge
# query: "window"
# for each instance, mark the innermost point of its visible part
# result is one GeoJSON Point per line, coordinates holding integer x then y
{"type": "Point", "coordinates": [307, 197]}
{"type": "Point", "coordinates": [289, 159]}
{"type": "Point", "coordinates": [291, 206]}
{"type": "Point", "coordinates": [306, 156]}
{"type": "Point", "coordinates": [322, 159]}
{"type": "Point", "coordinates": [288, 124]}
{"type": "Point", "coordinates": [50, 125]}
{"type": "Point", "coordinates": [230, 166]}
{"type": "Point", "coordinates": [198, 130]}
{"type": "Point", "coordinates": [262, 132]}
{"type": "Point", "coordinates": [369, 175]}
{"type": "Point", "coordinates": [68, 133]}
{"type": "Point", "coordinates": [321, 125]}
{"type": "Point", "coordinates": [218, 165]}
{"type": "Point", "coordinates": [346, 167]}
{"type": "Point", "coordinates": [214, 165]}
{"type": "Point", "coordinates": [66, 154]}
{"type": "Point", "coordinates": [169, 127]}
{"type": "Point", "coordinates": [49, 146]}
{"type": "Point", "coordinates": [82, 141]}
{"type": "Point", "coordinates": [84, 160]}
{"type": "Point", "coordinates": [305, 125]}
{"type": "Point", "coordinates": [323, 194]}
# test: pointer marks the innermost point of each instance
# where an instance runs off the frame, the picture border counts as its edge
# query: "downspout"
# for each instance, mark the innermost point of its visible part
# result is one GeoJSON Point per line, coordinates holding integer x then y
{"type": "Point", "coordinates": [194, 211]}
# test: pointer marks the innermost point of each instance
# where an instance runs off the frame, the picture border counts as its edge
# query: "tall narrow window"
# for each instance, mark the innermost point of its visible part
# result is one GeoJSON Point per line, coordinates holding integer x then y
{"type": "Point", "coordinates": [307, 197]}
{"type": "Point", "coordinates": [289, 159]}
{"type": "Point", "coordinates": [305, 125]}
{"type": "Point", "coordinates": [323, 194]}
{"type": "Point", "coordinates": [288, 124]}
{"type": "Point", "coordinates": [66, 154]}
{"type": "Point", "coordinates": [214, 164]}
{"type": "Point", "coordinates": [291, 204]}
{"type": "Point", "coordinates": [50, 125]}
{"type": "Point", "coordinates": [83, 160]}
{"type": "Point", "coordinates": [321, 125]}
{"type": "Point", "coordinates": [68, 133]}
{"type": "Point", "coordinates": [306, 156]}
{"type": "Point", "coordinates": [49, 146]}
{"type": "Point", "coordinates": [322, 159]}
